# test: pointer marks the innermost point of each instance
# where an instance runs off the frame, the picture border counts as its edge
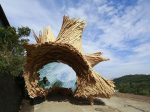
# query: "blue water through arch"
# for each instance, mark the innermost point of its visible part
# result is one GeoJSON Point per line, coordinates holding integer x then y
{"type": "Point", "coordinates": [58, 74]}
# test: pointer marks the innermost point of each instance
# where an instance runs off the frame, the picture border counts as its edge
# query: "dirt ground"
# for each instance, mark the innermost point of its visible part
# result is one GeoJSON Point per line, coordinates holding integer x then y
{"type": "Point", "coordinates": [118, 103]}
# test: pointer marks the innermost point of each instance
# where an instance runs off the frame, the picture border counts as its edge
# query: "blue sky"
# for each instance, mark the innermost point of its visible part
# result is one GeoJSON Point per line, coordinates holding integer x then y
{"type": "Point", "coordinates": [118, 28]}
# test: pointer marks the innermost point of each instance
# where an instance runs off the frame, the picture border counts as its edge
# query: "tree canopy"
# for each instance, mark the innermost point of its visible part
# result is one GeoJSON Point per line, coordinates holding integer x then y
{"type": "Point", "coordinates": [12, 53]}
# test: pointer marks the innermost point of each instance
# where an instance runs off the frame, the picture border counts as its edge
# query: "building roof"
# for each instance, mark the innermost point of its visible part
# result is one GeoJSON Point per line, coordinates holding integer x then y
{"type": "Point", "coordinates": [3, 18]}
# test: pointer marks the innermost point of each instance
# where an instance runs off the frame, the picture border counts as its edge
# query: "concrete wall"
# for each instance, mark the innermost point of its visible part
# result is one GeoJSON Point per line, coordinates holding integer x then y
{"type": "Point", "coordinates": [10, 94]}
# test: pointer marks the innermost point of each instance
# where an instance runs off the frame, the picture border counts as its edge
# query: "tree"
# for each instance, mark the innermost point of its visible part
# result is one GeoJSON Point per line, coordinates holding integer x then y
{"type": "Point", "coordinates": [12, 53]}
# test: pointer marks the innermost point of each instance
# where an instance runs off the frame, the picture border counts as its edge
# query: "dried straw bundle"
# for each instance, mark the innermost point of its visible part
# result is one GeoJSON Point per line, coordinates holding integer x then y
{"type": "Point", "coordinates": [66, 48]}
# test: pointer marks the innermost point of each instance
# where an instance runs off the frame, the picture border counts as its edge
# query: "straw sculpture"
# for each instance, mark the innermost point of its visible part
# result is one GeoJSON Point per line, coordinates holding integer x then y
{"type": "Point", "coordinates": [66, 48]}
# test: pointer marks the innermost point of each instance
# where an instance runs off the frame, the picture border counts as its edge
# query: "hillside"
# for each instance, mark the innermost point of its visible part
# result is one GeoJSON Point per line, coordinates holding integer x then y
{"type": "Point", "coordinates": [136, 84]}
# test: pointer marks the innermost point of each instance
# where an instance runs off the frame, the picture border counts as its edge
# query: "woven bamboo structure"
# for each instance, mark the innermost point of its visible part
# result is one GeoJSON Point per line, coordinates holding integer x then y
{"type": "Point", "coordinates": [66, 48]}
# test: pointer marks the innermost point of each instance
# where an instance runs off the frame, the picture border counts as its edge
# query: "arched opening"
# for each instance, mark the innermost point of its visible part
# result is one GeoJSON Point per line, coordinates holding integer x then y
{"type": "Point", "coordinates": [43, 54]}
{"type": "Point", "coordinates": [56, 52]}
{"type": "Point", "coordinates": [57, 76]}
{"type": "Point", "coordinates": [89, 83]}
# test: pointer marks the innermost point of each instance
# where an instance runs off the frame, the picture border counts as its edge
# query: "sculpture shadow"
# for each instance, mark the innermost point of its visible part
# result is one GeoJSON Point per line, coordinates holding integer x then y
{"type": "Point", "coordinates": [66, 98]}
{"type": "Point", "coordinates": [26, 107]}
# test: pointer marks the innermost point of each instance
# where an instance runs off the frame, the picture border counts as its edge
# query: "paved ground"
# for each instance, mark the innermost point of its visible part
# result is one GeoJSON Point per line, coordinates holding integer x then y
{"type": "Point", "coordinates": [118, 103]}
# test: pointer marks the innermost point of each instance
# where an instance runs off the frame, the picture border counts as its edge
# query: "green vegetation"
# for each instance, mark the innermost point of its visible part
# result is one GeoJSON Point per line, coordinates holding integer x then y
{"type": "Point", "coordinates": [136, 84]}
{"type": "Point", "coordinates": [12, 55]}
{"type": "Point", "coordinates": [11, 49]}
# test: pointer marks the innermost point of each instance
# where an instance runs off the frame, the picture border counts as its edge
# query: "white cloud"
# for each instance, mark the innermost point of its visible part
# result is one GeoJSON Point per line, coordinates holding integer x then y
{"type": "Point", "coordinates": [132, 25]}
{"type": "Point", "coordinates": [105, 9]}
{"type": "Point", "coordinates": [107, 30]}
{"type": "Point", "coordinates": [78, 13]}
{"type": "Point", "coordinates": [31, 13]}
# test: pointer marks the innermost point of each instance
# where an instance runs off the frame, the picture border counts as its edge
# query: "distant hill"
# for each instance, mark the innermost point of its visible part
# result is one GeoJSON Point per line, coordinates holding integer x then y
{"type": "Point", "coordinates": [136, 84]}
